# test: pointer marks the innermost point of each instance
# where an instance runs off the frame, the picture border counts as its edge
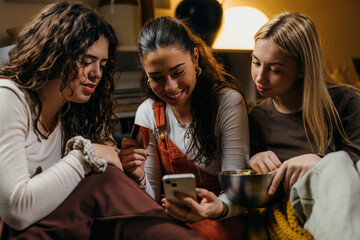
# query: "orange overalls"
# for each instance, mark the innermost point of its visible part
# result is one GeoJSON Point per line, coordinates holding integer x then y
{"type": "Point", "coordinates": [173, 161]}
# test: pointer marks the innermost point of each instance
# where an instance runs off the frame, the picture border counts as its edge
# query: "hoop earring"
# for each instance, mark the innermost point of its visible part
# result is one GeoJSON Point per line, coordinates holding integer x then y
{"type": "Point", "coordinates": [148, 83]}
{"type": "Point", "coordinates": [67, 110]}
{"type": "Point", "coordinates": [198, 71]}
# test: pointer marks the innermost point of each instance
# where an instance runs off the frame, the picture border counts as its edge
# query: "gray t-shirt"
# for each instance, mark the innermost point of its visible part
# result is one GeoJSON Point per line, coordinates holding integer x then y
{"type": "Point", "coordinates": [284, 134]}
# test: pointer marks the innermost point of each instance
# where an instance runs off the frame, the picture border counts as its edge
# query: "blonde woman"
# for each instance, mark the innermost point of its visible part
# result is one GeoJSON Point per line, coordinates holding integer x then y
{"type": "Point", "coordinates": [305, 116]}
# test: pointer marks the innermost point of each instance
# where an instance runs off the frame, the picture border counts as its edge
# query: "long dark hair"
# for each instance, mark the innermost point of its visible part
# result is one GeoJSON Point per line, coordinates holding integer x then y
{"type": "Point", "coordinates": [166, 31]}
{"type": "Point", "coordinates": [47, 49]}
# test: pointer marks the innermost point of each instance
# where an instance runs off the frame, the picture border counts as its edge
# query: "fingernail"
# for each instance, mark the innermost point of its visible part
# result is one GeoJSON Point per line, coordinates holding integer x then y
{"type": "Point", "coordinates": [198, 190]}
{"type": "Point", "coordinates": [271, 191]}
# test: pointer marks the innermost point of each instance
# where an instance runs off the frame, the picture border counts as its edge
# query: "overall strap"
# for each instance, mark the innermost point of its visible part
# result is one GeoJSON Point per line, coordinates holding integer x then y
{"type": "Point", "coordinates": [159, 113]}
{"type": "Point", "coordinates": [173, 159]}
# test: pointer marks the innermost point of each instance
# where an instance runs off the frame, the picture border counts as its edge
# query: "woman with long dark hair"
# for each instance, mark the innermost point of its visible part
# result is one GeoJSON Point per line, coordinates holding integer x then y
{"type": "Point", "coordinates": [197, 118]}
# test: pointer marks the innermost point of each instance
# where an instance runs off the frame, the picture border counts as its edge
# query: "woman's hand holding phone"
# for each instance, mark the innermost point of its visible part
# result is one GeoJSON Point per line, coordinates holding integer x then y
{"type": "Point", "coordinates": [209, 207]}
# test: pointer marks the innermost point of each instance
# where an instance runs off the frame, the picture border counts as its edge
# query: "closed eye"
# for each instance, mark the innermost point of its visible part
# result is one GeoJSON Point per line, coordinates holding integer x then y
{"type": "Point", "coordinates": [275, 70]}
{"type": "Point", "coordinates": [178, 73]}
{"type": "Point", "coordinates": [86, 62]}
{"type": "Point", "coordinates": [157, 79]}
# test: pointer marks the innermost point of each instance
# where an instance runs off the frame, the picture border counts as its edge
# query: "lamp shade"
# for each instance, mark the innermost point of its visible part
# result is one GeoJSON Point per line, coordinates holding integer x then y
{"type": "Point", "coordinates": [125, 16]}
{"type": "Point", "coordinates": [239, 27]}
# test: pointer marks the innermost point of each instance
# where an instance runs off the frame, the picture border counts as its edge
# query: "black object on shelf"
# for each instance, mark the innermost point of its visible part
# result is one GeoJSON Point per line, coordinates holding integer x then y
{"type": "Point", "coordinates": [204, 17]}
{"type": "Point", "coordinates": [356, 62]}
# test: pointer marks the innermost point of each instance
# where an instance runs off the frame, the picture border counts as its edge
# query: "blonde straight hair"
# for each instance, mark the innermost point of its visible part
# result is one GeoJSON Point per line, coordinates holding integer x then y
{"type": "Point", "coordinates": [296, 35]}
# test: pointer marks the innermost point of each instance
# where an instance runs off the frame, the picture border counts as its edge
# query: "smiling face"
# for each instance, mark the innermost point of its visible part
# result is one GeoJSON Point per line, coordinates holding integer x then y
{"type": "Point", "coordinates": [274, 73]}
{"type": "Point", "coordinates": [172, 75]}
{"type": "Point", "coordinates": [90, 70]}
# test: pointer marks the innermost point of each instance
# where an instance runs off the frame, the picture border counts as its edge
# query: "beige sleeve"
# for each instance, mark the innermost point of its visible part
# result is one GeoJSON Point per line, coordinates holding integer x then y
{"type": "Point", "coordinates": [25, 199]}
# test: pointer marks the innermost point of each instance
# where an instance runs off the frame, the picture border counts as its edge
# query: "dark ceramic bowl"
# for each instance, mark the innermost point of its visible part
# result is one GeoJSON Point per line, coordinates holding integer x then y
{"type": "Point", "coordinates": [249, 190]}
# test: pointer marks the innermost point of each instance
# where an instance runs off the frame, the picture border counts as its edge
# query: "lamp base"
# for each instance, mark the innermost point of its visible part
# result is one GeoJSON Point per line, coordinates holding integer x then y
{"type": "Point", "coordinates": [203, 16]}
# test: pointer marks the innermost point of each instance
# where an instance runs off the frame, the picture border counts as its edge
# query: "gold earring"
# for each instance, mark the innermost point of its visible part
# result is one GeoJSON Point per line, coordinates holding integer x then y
{"type": "Point", "coordinates": [198, 71]}
{"type": "Point", "coordinates": [148, 83]}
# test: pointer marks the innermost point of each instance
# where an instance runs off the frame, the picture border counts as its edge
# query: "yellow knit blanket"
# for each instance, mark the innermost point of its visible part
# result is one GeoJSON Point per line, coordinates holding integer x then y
{"type": "Point", "coordinates": [276, 222]}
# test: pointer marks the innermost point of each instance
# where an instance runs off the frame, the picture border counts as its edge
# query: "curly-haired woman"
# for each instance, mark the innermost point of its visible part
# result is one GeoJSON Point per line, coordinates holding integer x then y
{"type": "Point", "coordinates": [55, 132]}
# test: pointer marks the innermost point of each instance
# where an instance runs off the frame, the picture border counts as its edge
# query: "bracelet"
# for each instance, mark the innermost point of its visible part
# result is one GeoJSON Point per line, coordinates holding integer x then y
{"type": "Point", "coordinates": [223, 212]}
{"type": "Point", "coordinates": [141, 179]}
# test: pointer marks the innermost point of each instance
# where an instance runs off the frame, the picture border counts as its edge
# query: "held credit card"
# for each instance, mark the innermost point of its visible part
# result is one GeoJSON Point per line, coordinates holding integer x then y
{"type": "Point", "coordinates": [141, 135]}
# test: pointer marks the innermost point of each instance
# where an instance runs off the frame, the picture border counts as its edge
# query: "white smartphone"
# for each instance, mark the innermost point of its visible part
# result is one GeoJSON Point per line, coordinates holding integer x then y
{"type": "Point", "coordinates": [183, 183]}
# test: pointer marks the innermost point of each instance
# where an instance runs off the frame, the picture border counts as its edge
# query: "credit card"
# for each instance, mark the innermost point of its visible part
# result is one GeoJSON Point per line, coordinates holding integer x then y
{"type": "Point", "coordinates": [141, 135]}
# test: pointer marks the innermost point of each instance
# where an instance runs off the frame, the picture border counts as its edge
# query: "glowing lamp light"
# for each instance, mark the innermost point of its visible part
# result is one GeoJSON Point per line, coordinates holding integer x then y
{"type": "Point", "coordinates": [239, 27]}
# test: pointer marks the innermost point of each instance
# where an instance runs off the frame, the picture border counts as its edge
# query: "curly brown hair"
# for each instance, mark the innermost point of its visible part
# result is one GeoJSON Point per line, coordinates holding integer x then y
{"type": "Point", "coordinates": [47, 49]}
